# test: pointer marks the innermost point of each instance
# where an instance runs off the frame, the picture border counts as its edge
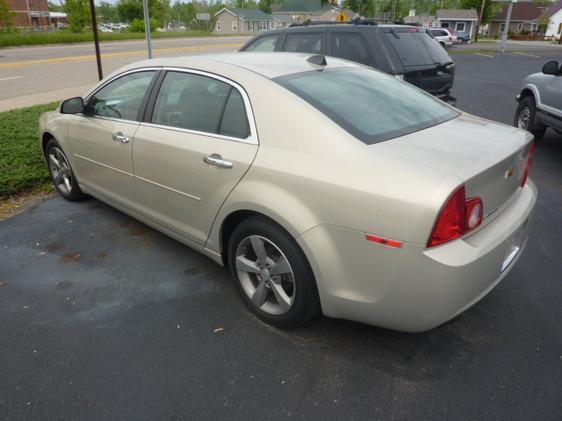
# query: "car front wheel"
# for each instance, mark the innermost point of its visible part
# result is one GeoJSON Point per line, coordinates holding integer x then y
{"type": "Point", "coordinates": [272, 274]}
{"type": "Point", "coordinates": [61, 172]}
{"type": "Point", "coordinates": [525, 117]}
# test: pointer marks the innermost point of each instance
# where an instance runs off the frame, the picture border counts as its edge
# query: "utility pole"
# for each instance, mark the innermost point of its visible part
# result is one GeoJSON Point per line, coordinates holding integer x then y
{"type": "Point", "coordinates": [96, 38]}
{"type": "Point", "coordinates": [480, 20]}
{"type": "Point", "coordinates": [146, 27]}
{"type": "Point", "coordinates": [503, 44]}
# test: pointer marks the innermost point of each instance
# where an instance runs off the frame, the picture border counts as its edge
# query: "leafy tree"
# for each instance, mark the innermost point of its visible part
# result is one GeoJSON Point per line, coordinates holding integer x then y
{"type": "Point", "coordinates": [55, 7]}
{"type": "Point", "coordinates": [544, 23]}
{"type": "Point", "coordinates": [132, 9]}
{"type": "Point", "coordinates": [362, 7]}
{"type": "Point", "coordinates": [6, 16]}
{"type": "Point", "coordinates": [265, 5]}
{"type": "Point", "coordinates": [138, 25]}
{"type": "Point", "coordinates": [183, 12]}
{"type": "Point", "coordinates": [490, 8]}
{"type": "Point", "coordinates": [78, 12]}
{"type": "Point", "coordinates": [107, 12]}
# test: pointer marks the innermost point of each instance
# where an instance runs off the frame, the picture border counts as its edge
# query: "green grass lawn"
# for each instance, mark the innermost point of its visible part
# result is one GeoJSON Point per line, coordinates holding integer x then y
{"type": "Point", "coordinates": [66, 37]}
{"type": "Point", "coordinates": [21, 165]}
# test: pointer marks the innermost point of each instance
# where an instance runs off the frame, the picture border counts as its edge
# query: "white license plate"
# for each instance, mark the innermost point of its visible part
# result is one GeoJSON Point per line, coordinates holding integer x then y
{"type": "Point", "coordinates": [514, 246]}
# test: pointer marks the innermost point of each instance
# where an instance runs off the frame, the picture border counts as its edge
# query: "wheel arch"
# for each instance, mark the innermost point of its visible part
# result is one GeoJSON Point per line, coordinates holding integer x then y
{"type": "Point", "coordinates": [530, 90]}
{"type": "Point", "coordinates": [236, 217]}
{"type": "Point", "coordinates": [45, 138]}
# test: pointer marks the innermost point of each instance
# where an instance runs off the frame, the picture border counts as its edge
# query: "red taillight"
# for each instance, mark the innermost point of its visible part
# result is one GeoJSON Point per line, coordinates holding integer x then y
{"type": "Point", "coordinates": [458, 216]}
{"type": "Point", "coordinates": [528, 164]}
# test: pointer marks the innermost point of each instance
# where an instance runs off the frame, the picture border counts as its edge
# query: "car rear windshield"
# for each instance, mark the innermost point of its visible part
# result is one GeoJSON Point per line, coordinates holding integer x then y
{"type": "Point", "coordinates": [368, 104]}
{"type": "Point", "coordinates": [417, 48]}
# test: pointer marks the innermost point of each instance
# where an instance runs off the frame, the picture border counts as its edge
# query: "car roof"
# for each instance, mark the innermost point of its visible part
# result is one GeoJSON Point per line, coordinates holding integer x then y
{"type": "Point", "coordinates": [269, 65]}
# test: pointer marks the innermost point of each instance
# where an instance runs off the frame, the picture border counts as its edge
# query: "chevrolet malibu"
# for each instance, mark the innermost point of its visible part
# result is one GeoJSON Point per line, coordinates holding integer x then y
{"type": "Point", "coordinates": [324, 186]}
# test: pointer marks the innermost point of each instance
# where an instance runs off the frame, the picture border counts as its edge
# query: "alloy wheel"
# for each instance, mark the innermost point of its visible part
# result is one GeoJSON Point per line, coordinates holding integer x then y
{"type": "Point", "coordinates": [524, 118]}
{"type": "Point", "coordinates": [265, 275]}
{"type": "Point", "coordinates": [60, 170]}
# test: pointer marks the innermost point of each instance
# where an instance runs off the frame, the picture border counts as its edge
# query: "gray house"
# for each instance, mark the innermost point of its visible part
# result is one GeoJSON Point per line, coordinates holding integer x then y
{"type": "Point", "coordinates": [463, 22]}
{"type": "Point", "coordinates": [231, 20]}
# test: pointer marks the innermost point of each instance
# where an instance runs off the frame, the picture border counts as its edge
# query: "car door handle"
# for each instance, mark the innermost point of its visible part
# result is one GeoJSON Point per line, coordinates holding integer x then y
{"type": "Point", "coordinates": [217, 161]}
{"type": "Point", "coordinates": [120, 137]}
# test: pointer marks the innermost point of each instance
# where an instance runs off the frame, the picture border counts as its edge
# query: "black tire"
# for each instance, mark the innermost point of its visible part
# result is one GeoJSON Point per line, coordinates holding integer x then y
{"type": "Point", "coordinates": [526, 117]}
{"type": "Point", "coordinates": [73, 193]}
{"type": "Point", "coordinates": [442, 44]}
{"type": "Point", "coordinates": [305, 301]}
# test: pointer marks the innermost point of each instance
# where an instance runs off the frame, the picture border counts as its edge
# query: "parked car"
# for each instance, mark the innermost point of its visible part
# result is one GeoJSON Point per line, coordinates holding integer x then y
{"type": "Point", "coordinates": [443, 36]}
{"type": "Point", "coordinates": [540, 101]}
{"type": "Point", "coordinates": [406, 52]}
{"type": "Point", "coordinates": [323, 185]}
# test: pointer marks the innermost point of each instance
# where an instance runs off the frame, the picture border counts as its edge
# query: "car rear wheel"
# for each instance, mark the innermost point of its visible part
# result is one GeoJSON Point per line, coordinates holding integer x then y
{"type": "Point", "coordinates": [61, 172]}
{"type": "Point", "coordinates": [272, 274]}
{"type": "Point", "coordinates": [525, 117]}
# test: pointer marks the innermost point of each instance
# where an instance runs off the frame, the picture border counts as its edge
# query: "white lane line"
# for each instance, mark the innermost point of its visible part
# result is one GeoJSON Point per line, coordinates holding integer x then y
{"type": "Point", "coordinates": [484, 55]}
{"type": "Point", "coordinates": [526, 54]}
{"type": "Point", "coordinates": [10, 78]}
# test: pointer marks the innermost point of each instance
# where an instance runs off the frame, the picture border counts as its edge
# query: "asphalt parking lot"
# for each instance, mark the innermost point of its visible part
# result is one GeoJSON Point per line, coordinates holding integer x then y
{"type": "Point", "coordinates": [104, 318]}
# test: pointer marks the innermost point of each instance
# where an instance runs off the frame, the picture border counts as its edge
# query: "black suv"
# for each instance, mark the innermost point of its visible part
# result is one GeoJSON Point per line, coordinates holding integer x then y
{"type": "Point", "coordinates": [406, 52]}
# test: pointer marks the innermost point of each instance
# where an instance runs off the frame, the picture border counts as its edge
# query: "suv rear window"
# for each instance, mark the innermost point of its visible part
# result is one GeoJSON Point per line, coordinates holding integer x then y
{"type": "Point", "coordinates": [368, 104]}
{"type": "Point", "coordinates": [417, 48]}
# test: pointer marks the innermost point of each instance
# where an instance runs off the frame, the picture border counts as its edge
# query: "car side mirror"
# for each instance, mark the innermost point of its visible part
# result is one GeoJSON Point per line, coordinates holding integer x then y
{"type": "Point", "coordinates": [551, 68]}
{"type": "Point", "coordinates": [72, 106]}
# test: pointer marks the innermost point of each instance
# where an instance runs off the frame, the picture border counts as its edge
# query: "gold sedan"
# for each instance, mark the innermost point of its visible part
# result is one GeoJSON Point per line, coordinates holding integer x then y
{"type": "Point", "coordinates": [323, 185]}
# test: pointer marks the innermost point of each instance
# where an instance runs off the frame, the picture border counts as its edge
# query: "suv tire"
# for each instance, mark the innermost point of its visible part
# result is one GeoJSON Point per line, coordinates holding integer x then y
{"type": "Point", "coordinates": [526, 117]}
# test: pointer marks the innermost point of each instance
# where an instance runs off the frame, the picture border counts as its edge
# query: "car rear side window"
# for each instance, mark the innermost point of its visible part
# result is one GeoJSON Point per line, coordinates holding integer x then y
{"type": "Point", "coordinates": [416, 48]}
{"type": "Point", "coordinates": [370, 105]}
{"type": "Point", "coordinates": [263, 44]}
{"type": "Point", "coordinates": [350, 46]}
{"type": "Point", "coordinates": [234, 121]}
{"type": "Point", "coordinates": [303, 42]}
{"type": "Point", "coordinates": [200, 103]}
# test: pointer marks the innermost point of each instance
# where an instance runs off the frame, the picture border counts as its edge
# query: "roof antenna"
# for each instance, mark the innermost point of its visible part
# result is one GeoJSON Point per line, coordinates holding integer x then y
{"type": "Point", "coordinates": [318, 59]}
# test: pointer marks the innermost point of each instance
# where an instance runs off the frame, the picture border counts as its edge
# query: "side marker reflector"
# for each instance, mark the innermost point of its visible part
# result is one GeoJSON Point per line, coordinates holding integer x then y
{"type": "Point", "coordinates": [383, 241]}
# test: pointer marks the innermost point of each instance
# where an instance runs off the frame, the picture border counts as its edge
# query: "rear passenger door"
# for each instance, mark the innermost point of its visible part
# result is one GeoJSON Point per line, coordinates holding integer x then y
{"type": "Point", "coordinates": [197, 140]}
{"type": "Point", "coordinates": [305, 40]}
{"type": "Point", "coordinates": [349, 45]}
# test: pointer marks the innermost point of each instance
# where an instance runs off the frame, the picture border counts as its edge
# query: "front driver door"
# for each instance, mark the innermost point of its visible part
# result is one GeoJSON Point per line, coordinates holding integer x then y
{"type": "Point", "coordinates": [101, 140]}
{"type": "Point", "coordinates": [199, 143]}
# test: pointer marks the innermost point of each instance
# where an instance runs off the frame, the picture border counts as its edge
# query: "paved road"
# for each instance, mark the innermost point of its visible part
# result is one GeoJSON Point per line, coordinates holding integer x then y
{"type": "Point", "coordinates": [33, 75]}
{"type": "Point", "coordinates": [103, 318]}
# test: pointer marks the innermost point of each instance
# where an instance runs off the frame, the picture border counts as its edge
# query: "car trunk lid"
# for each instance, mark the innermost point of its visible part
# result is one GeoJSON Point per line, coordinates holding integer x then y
{"type": "Point", "coordinates": [489, 157]}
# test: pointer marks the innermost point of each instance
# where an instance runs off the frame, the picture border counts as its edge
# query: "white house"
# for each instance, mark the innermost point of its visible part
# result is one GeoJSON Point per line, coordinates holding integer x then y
{"type": "Point", "coordinates": [555, 26]}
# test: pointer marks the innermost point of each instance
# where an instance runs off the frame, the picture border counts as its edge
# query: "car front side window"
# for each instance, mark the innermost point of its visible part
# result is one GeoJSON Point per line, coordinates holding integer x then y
{"type": "Point", "coordinates": [122, 98]}
{"type": "Point", "coordinates": [200, 103]}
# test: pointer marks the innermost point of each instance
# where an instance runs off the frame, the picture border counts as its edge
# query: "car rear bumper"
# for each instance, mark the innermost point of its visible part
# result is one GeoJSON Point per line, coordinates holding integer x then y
{"type": "Point", "coordinates": [413, 288]}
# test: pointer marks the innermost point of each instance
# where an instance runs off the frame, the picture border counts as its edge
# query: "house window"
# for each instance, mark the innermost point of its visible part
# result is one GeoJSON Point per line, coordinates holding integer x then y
{"type": "Point", "coordinates": [534, 27]}
{"type": "Point", "coordinates": [444, 24]}
{"type": "Point", "coordinates": [263, 26]}
{"type": "Point", "coordinates": [502, 28]}
{"type": "Point", "coordinates": [519, 26]}
{"type": "Point", "coordinates": [234, 26]}
{"type": "Point", "coordinates": [460, 26]}
{"type": "Point", "coordinates": [271, 25]}
{"type": "Point", "coordinates": [218, 25]}
{"type": "Point", "coordinates": [251, 26]}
